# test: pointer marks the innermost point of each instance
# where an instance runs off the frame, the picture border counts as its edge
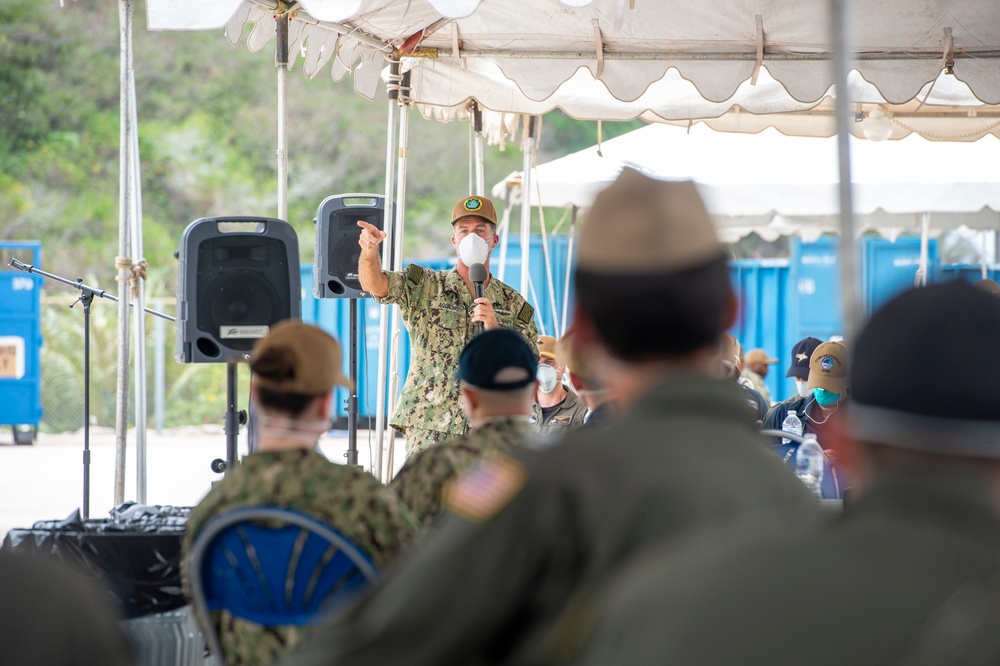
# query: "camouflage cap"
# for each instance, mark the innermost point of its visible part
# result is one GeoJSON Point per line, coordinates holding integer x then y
{"type": "Point", "coordinates": [547, 346]}
{"type": "Point", "coordinates": [295, 357]}
{"type": "Point", "coordinates": [828, 367]}
{"type": "Point", "coordinates": [642, 225]}
{"type": "Point", "coordinates": [476, 206]}
{"type": "Point", "coordinates": [499, 359]}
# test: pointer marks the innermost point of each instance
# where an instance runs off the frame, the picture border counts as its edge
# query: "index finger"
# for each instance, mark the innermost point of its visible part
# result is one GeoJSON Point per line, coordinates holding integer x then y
{"type": "Point", "coordinates": [368, 227]}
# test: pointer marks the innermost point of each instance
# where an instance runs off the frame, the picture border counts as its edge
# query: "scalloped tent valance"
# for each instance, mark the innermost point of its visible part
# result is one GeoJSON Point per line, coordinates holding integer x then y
{"type": "Point", "coordinates": [621, 46]}
{"type": "Point", "coordinates": [778, 185]}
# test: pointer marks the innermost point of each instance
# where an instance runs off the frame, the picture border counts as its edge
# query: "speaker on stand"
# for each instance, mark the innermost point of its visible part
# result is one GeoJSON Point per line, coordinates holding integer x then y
{"type": "Point", "coordinates": [237, 277]}
{"type": "Point", "coordinates": [335, 275]}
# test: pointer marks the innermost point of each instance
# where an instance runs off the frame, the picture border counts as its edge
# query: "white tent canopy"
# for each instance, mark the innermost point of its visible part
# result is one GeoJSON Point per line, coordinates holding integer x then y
{"type": "Point", "coordinates": [775, 184]}
{"type": "Point", "coordinates": [626, 45]}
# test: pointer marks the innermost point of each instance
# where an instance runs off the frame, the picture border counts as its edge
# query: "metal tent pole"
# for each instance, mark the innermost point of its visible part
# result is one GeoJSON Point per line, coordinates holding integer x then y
{"type": "Point", "coordinates": [139, 312]}
{"type": "Point", "coordinates": [397, 262]}
{"type": "Point", "coordinates": [569, 267]}
{"type": "Point", "coordinates": [478, 151]}
{"type": "Point", "coordinates": [388, 219]}
{"type": "Point", "coordinates": [529, 150]}
{"type": "Point", "coordinates": [842, 46]}
{"type": "Point", "coordinates": [281, 62]}
{"type": "Point", "coordinates": [125, 211]}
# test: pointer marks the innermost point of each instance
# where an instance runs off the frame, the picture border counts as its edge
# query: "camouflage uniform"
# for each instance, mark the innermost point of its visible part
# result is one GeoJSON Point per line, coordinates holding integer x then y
{"type": "Point", "coordinates": [569, 415]}
{"type": "Point", "coordinates": [757, 384]}
{"type": "Point", "coordinates": [436, 307]}
{"type": "Point", "coordinates": [347, 498]}
{"type": "Point", "coordinates": [420, 482]}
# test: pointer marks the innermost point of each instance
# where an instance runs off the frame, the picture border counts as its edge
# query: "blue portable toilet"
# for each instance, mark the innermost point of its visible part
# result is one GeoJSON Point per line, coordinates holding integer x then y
{"type": "Point", "coordinates": [20, 344]}
{"type": "Point", "coordinates": [890, 267]}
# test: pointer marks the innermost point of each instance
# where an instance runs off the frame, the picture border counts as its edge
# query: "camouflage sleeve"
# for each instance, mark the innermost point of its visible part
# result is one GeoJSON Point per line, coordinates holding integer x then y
{"type": "Point", "coordinates": [524, 323]}
{"type": "Point", "coordinates": [391, 525]}
{"type": "Point", "coordinates": [402, 286]}
{"type": "Point", "coordinates": [418, 484]}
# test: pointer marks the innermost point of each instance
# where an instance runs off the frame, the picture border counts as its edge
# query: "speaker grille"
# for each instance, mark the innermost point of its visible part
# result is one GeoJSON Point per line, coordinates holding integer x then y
{"type": "Point", "coordinates": [344, 260]}
{"type": "Point", "coordinates": [240, 283]}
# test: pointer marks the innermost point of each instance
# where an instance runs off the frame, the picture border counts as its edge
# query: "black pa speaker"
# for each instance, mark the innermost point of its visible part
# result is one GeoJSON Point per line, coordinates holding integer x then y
{"type": "Point", "coordinates": [237, 277]}
{"type": "Point", "coordinates": [335, 266]}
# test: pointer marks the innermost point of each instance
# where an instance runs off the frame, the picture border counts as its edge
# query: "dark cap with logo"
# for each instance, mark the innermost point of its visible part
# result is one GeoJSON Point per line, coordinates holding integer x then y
{"type": "Point", "coordinates": [801, 353]}
{"type": "Point", "coordinates": [497, 360]}
{"type": "Point", "coordinates": [925, 373]}
{"type": "Point", "coordinates": [476, 206]}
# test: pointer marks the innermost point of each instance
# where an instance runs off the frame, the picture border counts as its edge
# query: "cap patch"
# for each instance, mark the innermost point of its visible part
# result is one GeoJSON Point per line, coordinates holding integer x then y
{"type": "Point", "coordinates": [482, 492]}
{"type": "Point", "coordinates": [826, 363]}
{"type": "Point", "coordinates": [473, 203]}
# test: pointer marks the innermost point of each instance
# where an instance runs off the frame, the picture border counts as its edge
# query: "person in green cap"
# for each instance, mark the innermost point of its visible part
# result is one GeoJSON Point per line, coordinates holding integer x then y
{"type": "Point", "coordinates": [442, 313]}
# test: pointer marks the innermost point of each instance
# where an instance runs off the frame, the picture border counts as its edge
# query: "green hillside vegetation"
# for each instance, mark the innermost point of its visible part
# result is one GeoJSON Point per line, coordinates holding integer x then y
{"type": "Point", "coordinates": [207, 131]}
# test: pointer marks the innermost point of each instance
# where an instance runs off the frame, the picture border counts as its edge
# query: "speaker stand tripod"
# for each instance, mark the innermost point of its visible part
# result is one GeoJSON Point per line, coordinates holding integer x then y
{"type": "Point", "coordinates": [87, 294]}
{"type": "Point", "coordinates": [352, 392]}
{"type": "Point", "coordinates": [234, 419]}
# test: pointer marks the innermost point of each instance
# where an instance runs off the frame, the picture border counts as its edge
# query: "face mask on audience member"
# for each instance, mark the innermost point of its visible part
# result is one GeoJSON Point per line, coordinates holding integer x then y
{"type": "Point", "coordinates": [473, 250]}
{"type": "Point", "coordinates": [802, 387]}
{"type": "Point", "coordinates": [825, 398]}
{"type": "Point", "coordinates": [547, 378]}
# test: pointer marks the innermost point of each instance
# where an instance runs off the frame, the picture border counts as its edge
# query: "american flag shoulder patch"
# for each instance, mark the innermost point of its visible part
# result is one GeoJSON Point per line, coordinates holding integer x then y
{"type": "Point", "coordinates": [483, 491]}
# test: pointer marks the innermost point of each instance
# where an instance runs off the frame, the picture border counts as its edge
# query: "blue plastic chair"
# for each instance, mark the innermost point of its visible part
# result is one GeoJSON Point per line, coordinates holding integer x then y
{"type": "Point", "coordinates": [275, 567]}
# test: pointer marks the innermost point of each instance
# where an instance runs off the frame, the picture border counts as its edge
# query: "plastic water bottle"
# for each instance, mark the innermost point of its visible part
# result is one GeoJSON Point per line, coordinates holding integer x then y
{"type": "Point", "coordinates": [809, 464]}
{"type": "Point", "coordinates": [792, 424]}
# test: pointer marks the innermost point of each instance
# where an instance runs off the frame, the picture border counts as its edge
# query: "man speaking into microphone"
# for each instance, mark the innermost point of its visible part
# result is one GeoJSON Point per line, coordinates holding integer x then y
{"type": "Point", "coordinates": [442, 312]}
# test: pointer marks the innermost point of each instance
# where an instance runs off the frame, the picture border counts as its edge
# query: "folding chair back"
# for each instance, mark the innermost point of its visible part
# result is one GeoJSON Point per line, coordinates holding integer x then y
{"type": "Point", "coordinates": [274, 567]}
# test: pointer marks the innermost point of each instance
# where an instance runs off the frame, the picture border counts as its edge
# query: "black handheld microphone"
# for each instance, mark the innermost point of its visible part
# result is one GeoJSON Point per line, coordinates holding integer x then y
{"type": "Point", "coordinates": [478, 274]}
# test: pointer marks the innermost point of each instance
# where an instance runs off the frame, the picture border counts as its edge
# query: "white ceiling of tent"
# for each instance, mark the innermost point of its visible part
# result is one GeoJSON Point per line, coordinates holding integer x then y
{"type": "Point", "coordinates": [776, 185]}
{"type": "Point", "coordinates": [745, 64]}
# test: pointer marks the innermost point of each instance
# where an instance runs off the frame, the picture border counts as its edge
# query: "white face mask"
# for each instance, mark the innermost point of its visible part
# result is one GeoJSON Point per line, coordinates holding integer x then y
{"type": "Point", "coordinates": [547, 378]}
{"type": "Point", "coordinates": [473, 250]}
{"type": "Point", "coordinates": [801, 388]}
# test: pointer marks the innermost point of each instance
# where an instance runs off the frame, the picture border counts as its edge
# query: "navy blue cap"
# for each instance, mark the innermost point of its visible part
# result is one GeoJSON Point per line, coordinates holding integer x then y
{"type": "Point", "coordinates": [497, 360]}
{"type": "Point", "coordinates": [925, 372]}
{"type": "Point", "coordinates": [801, 352]}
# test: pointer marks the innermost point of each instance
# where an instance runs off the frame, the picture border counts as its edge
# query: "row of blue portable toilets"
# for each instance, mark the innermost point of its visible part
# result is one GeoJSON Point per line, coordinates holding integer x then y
{"type": "Point", "coordinates": [781, 301]}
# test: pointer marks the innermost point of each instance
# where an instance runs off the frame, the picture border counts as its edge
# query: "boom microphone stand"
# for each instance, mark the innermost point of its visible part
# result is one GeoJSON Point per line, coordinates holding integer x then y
{"type": "Point", "coordinates": [87, 294]}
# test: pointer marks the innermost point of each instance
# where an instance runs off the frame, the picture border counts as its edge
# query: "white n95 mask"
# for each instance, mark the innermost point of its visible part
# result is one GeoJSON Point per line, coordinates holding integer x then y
{"type": "Point", "coordinates": [802, 388]}
{"type": "Point", "coordinates": [547, 378]}
{"type": "Point", "coordinates": [473, 250]}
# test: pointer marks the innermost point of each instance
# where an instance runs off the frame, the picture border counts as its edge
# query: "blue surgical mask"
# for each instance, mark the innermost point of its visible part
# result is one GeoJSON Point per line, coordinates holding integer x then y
{"type": "Point", "coordinates": [825, 398]}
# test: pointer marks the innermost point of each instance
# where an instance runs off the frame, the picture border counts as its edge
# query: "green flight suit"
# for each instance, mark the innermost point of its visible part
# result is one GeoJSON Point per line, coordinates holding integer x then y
{"type": "Point", "coordinates": [436, 307]}
{"type": "Point", "coordinates": [904, 576]}
{"type": "Point", "coordinates": [420, 483]}
{"type": "Point", "coordinates": [568, 416]}
{"type": "Point", "coordinates": [344, 497]}
{"type": "Point", "coordinates": [525, 532]}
